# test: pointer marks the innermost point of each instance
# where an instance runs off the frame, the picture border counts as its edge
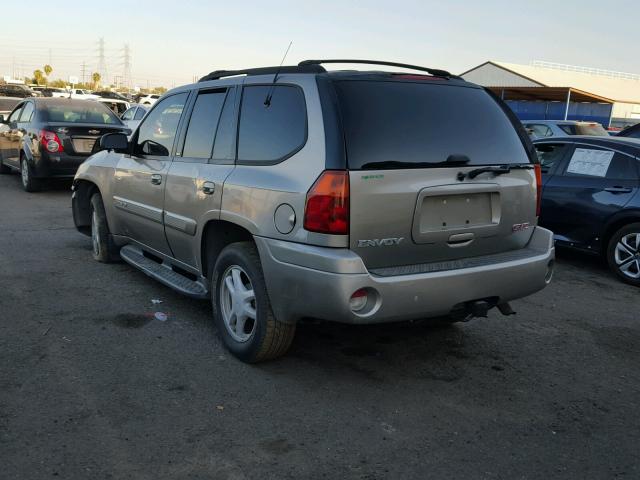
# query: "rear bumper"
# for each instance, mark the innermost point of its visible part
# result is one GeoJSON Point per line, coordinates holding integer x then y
{"type": "Point", "coordinates": [60, 165]}
{"type": "Point", "coordinates": [308, 281]}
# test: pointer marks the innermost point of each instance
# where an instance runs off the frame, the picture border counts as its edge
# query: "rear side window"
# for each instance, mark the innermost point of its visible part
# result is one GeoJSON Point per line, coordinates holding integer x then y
{"type": "Point", "coordinates": [27, 113]}
{"type": "Point", "coordinates": [128, 115]}
{"type": "Point", "coordinates": [539, 131]}
{"type": "Point", "coordinates": [550, 154]}
{"type": "Point", "coordinates": [601, 162]}
{"type": "Point", "coordinates": [568, 129]}
{"type": "Point", "coordinates": [412, 125]}
{"type": "Point", "coordinates": [203, 124]}
{"type": "Point", "coordinates": [275, 132]}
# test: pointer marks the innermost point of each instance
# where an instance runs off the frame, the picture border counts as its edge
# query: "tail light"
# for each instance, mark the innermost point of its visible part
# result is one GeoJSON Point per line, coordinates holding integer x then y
{"type": "Point", "coordinates": [50, 141]}
{"type": "Point", "coordinates": [538, 172]}
{"type": "Point", "coordinates": [327, 207]}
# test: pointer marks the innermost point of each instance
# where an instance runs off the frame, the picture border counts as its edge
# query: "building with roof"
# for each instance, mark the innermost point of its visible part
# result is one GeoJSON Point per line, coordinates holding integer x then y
{"type": "Point", "coordinates": [554, 91]}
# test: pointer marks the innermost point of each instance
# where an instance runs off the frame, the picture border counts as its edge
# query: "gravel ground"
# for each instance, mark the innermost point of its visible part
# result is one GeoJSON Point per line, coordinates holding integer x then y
{"type": "Point", "coordinates": [93, 386]}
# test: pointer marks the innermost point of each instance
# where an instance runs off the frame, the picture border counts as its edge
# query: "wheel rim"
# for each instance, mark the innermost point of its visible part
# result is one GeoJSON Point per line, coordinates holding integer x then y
{"type": "Point", "coordinates": [627, 255]}
{"type": "Point", "coordinates": [94, 234]}
{"type": "Point", "coordinates": [238, 303]}
{"type": "Point", "coordinates": [25, 173]}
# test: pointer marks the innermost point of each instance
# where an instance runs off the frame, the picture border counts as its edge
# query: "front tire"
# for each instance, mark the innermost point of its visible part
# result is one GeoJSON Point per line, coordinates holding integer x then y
{"type": "Point", "coordinates": [623, 254]}
{"type": "Point", "coordinates": [241, 307]}
{"type": "Point", "coordinates": [102, 247]}
{"type": "Point", "coordinates": [4, 170]}
{"type": "Point", "coordinates": [29, 184]}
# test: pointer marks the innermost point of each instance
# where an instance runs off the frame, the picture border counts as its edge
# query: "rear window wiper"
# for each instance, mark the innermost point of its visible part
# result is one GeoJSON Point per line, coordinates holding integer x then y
{"type": "Point", "coordinates": [496, 170]}
{"type": "Point", "coordinates": [391, 164]}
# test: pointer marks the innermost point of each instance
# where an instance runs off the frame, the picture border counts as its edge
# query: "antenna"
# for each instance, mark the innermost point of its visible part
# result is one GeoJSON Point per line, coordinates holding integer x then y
{"type": "Point", "coordinates": [267, 100]}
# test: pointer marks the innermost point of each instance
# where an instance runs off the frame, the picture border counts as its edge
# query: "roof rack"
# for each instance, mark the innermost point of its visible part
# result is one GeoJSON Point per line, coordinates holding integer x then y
{"type": "Point", "coordinates": [218, 74]}
{"type": "Point", "coordinates": [431, 71]}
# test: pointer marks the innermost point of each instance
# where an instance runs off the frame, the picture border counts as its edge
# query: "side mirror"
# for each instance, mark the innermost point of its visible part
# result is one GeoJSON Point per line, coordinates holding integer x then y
{"type": "Point", "coordinates": [114, 141]}
{"type": "Point", "coordinates": [2, 119]}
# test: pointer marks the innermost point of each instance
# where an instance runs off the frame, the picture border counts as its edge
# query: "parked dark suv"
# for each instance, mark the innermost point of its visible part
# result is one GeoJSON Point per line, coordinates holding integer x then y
{"type": "Point", "coordinates": [591, 198]}
{"type": "Point", "coordinates": [352, 196]}
{"type": "Point", "coordinates": [51, 137]}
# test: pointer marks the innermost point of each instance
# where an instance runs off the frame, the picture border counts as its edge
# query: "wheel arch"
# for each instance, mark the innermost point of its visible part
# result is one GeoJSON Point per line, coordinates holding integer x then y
{"type": "Point", "coordinates": [216, 235]}
{"type": "Point", "coordinates": [83, 190]}
{"type": "Point", "coordinates": [616, 223]}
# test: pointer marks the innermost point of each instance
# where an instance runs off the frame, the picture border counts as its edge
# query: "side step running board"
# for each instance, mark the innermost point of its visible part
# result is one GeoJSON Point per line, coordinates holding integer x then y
{"type": "Point", "coordinates": [163, 273]}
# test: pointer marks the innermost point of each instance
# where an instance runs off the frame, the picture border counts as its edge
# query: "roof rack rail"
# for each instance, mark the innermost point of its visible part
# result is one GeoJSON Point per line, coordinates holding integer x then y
{"type": "Point", "coordinates": [218, 74]}
{"type": "Point", "coordinates": [431, 71]}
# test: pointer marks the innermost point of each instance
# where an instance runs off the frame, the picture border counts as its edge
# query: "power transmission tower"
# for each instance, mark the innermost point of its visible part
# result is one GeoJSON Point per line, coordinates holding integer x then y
{"type": "Point", "coordinates": [102, 65]}
{"type": "Point", "coordinates": [127, 66]}
{"type": "Point", "coordinates": [84, 69]}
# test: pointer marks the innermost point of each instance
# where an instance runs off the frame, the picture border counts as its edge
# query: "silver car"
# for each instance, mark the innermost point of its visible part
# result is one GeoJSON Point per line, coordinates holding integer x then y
{"type": "Point", "coordinates": [350, 196]}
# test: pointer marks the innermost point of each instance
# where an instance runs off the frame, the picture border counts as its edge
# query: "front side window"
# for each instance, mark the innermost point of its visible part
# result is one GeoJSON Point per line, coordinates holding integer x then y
{"type": "Point", "coordinates": [203, 125]}
{"type": "Point", "coordinates": [158, 130]}
{"type": "Point", "coordinates": [274, 132]}
{"type": "Point", "coordinates": [540, 131]}
{"type": "Point", "coordinates": [16, 114]}
{"type": "Point", "coordinates": [550, 154]}
{"type": "Point", "coordinates": [139, 114]}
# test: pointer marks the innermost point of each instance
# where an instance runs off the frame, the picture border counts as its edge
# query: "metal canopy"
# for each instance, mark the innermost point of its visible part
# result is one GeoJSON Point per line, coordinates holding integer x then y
{"type": "Point", "coordinates": [548, 94]}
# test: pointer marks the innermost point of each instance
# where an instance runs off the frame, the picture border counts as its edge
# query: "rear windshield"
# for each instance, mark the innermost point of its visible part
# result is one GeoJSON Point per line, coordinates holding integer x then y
{"type": "Point", "coordinates": [594, 129]}
{"type": "Point", "coordinates": [414, 125]}
{"type": "Point", "coordinates": [87, 113]}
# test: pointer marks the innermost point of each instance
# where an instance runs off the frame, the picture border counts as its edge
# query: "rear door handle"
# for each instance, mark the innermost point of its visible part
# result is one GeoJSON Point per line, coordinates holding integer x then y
{"type": "Point", "coordinates": [208, 188]}
{"type": "Point", "coordinates": [156, 179]}
{"type": "Point", "coordinates": [618, 190]}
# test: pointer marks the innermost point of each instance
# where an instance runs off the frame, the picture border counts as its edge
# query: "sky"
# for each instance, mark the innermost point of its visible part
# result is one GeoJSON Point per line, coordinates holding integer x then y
{"type": "Point", "coordinates": [171, 42]}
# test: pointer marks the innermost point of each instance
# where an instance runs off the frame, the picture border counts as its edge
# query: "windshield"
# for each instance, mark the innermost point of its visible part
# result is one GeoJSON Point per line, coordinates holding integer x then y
{"type": "Point", "coordinates": [391, 124]}
{"type": "Point", "coordinates": [74, 113]}
{"type": "Point", "coordinates": [594, 129]}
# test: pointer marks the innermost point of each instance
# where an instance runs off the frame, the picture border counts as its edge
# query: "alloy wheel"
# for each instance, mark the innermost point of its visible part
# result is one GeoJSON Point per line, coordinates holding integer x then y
{"type": "Point", "coordinates": [24, 173]}
{"type": "Point", "coordinates": [238, 303]}
{"type": "Point", "coordinates": [95, 241]}
{"type": "Point", "coordinates": [627, 255]}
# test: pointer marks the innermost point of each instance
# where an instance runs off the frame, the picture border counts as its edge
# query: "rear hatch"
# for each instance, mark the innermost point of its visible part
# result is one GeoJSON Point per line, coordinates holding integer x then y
{"type": "Point", "coordinates": [410, 145]}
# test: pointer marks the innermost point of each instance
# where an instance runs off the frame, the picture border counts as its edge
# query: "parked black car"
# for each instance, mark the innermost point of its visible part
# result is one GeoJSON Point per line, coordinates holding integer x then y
{"type": "Point", "coordinates": [51, 137]}
{"type": "Point", "coordinates": [11, 90]}
{"type": "Point", "coordinates": [630, 132]}
{"type": "Point", "coordinates": [113, 95]}
{"type": "Point", "coordinates": [591, 199]}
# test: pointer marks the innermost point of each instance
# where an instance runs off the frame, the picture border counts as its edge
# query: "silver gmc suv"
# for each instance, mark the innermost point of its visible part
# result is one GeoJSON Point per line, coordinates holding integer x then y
{"type": "Point", "coordinates": [351, 196]}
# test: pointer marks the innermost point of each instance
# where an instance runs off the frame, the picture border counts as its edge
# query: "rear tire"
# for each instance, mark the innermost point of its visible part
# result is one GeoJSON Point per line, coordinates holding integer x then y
{"type": "Point", "coordinates": [241, 306]}
{"type": "Point", "coordinates": [102, 246]}
{"type": "Point", "coordinates": [29, 184]}
{"type": "Point", "coordinates": [623, 254]}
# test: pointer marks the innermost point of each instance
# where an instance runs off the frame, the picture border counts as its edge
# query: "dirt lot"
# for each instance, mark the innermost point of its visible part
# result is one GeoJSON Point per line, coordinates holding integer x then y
{"type": "Point", "coordinates": [93, 386]}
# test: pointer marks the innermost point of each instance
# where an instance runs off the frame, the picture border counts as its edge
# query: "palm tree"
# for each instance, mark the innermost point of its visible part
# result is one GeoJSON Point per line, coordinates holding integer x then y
{"type": "Point", "coordinates": [96, 79]}
{"type": "Point", "coordinates": [47, 71]}
{"type": "Point", "coordinates": [38, 76]}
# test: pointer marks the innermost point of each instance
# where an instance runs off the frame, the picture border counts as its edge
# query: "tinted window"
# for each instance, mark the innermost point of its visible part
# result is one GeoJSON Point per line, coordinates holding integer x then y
{"type": "Point", "coordinates": [620, 166]}
{"type": "Point", "coordinates": [27, 111]}
{"type": "Point", "coordinates": [399, 124]}
{"type": "Point", "coordinates": [16, 113]}
{"type": "Point", "coordinates": [631, 132]}
{"type": "Point", "coordinates": [139, 114]}
{"type": "Point", "coordinates": [568, 129]}
{"type": "Point", "coordinates": [158, 130]}
{"type": "Point", "coordinates": [128, 115]}
{"type": "Point", "coordinates": [225, 145]}
{"type": "Point", "coordinates": [539, 131]}
{"type": "Point", "coordinates": [203, 124]}
{"type": "Point", "coordinates": [550, 154]}
{"type": "Point", "coordinates": [271, 133]}
{"type": "Point", "coordinates": [80, 112]}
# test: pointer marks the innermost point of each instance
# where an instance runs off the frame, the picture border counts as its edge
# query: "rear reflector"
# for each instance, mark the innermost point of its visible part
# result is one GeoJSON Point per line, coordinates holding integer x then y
{"type": "Point", "coordinates": [50, 141]}
{"type": "Point", "coordinates": [358, 300]}
{"type": "Point", "coordinates": [327, 207]}
{"type": "Point", "coordinates": [538, 172]}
